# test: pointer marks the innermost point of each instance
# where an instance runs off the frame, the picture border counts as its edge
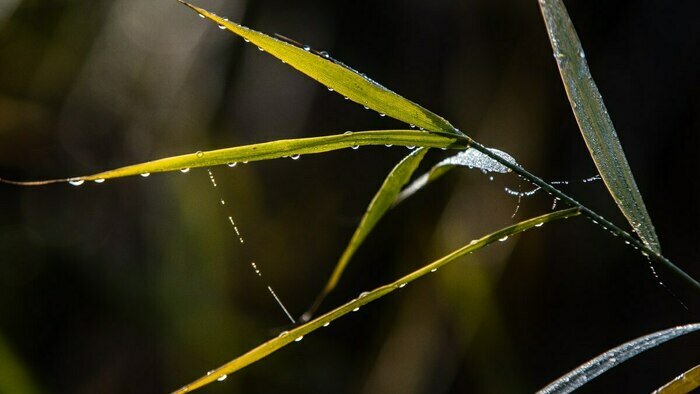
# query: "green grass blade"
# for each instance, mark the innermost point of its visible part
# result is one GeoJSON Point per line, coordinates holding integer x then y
{"type": "Point", "coordinates": [594, 122]}
{"type": "Point", "coordinates": [288, 337]}
{"type": "Point", "coordinates": [595, 367]}
{"type": "Point", "coordinates": [382, 201]}
{"type": "Point", "coordinates": [683, 383]}
{"type": "Point", "coordinates": [339, 77]}
{"type": "Point", "coordinates": [471, 158]}
{"type": "Point", "coordinates": [271, 150]}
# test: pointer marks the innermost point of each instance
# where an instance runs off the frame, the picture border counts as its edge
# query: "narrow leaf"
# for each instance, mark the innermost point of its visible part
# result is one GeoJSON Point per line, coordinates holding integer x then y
{"type": "Point", "coordinates": [270, 150]}
{"type": "Point", "coordinates": [339, 77]}
{"type": "Point", "coordinates": [288, 337]}
{"type": "Point", "coordinates": [382, 201]}
{"type": "Point", "coordinates": [594, 122]}
{"type": "Point", "coordinates": [594, 367]}
{"type": "Point", "coordinates": [683, 383]}
{"type": "Point", "coordinates": [471, 158]}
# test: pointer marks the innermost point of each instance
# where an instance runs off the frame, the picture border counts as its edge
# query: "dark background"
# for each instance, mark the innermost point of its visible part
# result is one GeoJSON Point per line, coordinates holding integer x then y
{"type": "Point", "coordinates": [139, 285]}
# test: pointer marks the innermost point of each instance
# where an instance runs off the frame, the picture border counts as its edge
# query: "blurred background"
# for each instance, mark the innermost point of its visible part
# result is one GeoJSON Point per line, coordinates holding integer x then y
{"type": "Point", "coordinates": [140, 285]}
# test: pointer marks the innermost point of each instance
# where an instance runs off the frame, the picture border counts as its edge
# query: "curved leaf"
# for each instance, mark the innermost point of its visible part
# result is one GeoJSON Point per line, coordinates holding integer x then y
{"type": "Point", "coordinates": [471, 158]}
{"type": "Point", "coordinates": [382, 201]}
{"type": "Point", "coordinates": [594, 367]}
{"type": "Point", "coordinates": [288, 337]}
{"type": "Point", "coordinates": [270, 150]}
{"type": "Point", "coordinates": [339, 77]}
{"type": "Point", "coordinates": [594, 122]}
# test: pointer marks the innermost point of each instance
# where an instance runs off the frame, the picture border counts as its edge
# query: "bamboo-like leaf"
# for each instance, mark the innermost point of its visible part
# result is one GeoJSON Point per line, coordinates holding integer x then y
{"type": "Point", "coordinates": [288, 337]}
{"type": "Point", "coordinates": [683, 383]}
{"type": "Point", "coordinates": [271, 150]}
{"type": "Point", "coordinates": [382, 201]}
{"type": "Point", "coordinates": [471, 158]}
{"type": "Point", "coordinates": [596, 366]}
{"type": "Point", "coordinates": [594, 122]}
{"type": "Point", "coordinates": [339, 77]}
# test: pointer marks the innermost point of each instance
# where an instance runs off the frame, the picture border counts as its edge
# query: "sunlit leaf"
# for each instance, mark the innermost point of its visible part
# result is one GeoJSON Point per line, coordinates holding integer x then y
{"type": "Point", "coordinates": [272, 150]}
{"type": "Point", "coordinates": [594, 122]}
{"type": "Point", "coordinates": [470, 158]}
{"type": "Point", "coordinates": [382, 201]}
{"type": "Point", "coordinates": [339, 77]}
{"type": "Point", "coordinates": [594, 367]}
{"type": "Point", "coordinates": [288, 337]}
{"type": "Point", "coordinates": [683, 383]}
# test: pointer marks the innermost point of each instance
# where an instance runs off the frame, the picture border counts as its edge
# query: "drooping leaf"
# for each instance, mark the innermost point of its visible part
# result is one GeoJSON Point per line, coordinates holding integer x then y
{"type": "Point", "coordinates": [683, 383]}
{"type": "Point", "coordinates": [596, 366]}
{"type": "Point", "coordinates": [382, 201]}
{"type": "Point", "coordinates": [470, 158]}
{"type": "Point", "coordinates": [271, 150]}
{"type": "Point", "coordinates": [339, 77]}
{"type": "Point", "coordinates": [594, 122]}
{"type": "Point", "coordinates": [288, 337]}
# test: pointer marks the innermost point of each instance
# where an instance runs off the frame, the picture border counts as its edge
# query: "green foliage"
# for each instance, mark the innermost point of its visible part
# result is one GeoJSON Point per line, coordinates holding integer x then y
{"type": "Point", "coordinates": [382, 201]}
{"type": "Point", "coordinates": [594, 121]}
{"type": "Point", "coordinates": [298, 332]}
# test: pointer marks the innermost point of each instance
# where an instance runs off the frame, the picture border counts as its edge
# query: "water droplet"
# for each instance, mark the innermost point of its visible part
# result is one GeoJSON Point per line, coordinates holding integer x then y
{"type": "Point", "coordinates": [283, 334]}
{"type": "Point", "coordinates": [356, 309]}
{"type": "Point", "coordinates": [223, 202]}
{"type": "Point", "coordinates": [330, 89]}
{"type": "Point", "coordinates": [412, 126]}
{"type": "Point", "coordinates": [245, 162]}
{"type": "Point", "coordinates": [146, 174]}
{"type": "Point", "coordinates": [307, 48]}
{"type": "Point", "coordinates": [540, 224]}
{"type": "Point", "coordinates": [355, 147]}
{"type": "Point", "coordinates": [503, 239]}
{"type": "Point", "coordinates": [222, 27]}
{"type": "Point", "coordinates": [295, 157]}
{"type": "Point", "coordinates": [210, 372]}
{"type": "Point", "coordinates": [221, 378]}
{"type": "Point", "coordinates": [260, 49]}
{"type": "Point", "coordinates": [410, 147]}
{"type": "Point", "coordinates": [199, 153]}
{"type": "Point", "coordinates": [346, 98]}
{"type": "Point", "coordinates": [402, 285]}
{"type": "Point", "coordinates": [184, 170]}
{"type": "Point", "coordinates": [581, 54]}
{"type": "Point", "coordinates": [490, 177]}
{"type": "Point", "coordinates": [327, 324]}
{"type": "Point", "coordinates": [363, 294]}
{"type": "Point", "coordinates": [201, 16]}
{"type": "Point", "coordinates": [433, 270]}
{"type": "Point", "coordinates": [347, 132]}
{"type": "Point", "coordinates": [99, 180]}
{"type": "Point", "coordinates": [76, 182]}
{"type": "Point", "coordinates": [325, 54]}
{"type": "Point", "coordinates": [365, 107]}
{"type": "Point", "coordinates": [382, 115]}
{"type": "Point", "coordinates": [246, 40]}
{"type": "Point", "coordinates": [388, 145]}
{"type": "Point", "coordinates": [299, 339]}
